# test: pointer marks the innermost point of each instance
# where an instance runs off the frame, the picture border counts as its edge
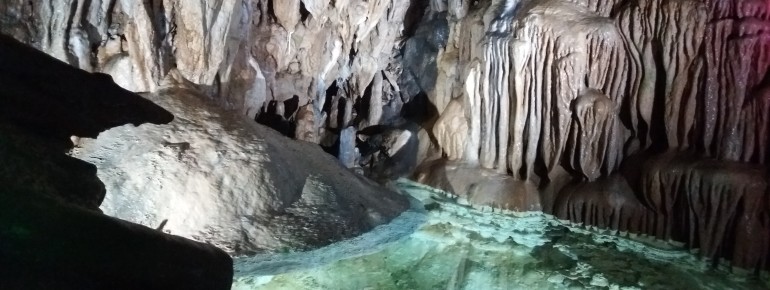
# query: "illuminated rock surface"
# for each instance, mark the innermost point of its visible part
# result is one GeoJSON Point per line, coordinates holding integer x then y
{"type": "Point", "coordinates": [52, 235]}
{"type": "Point", "coordinates": [587, 101]}
{"type": "Point", "coordinates": [213, 176]}
{"type": "Point", "coordinates": [455, 247]}
{"type": "Point", "coordinates": [518, 104]}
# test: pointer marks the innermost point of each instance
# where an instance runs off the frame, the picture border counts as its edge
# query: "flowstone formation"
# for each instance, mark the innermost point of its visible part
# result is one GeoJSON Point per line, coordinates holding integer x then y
{"type": "Point", "coordinates": [450, 246]}
{"type": "Point", "coordinates": [216, 177]}
{"type": "Point", "coordinates": [311, 69]}
{"type": "Point", "coordinates": [643, 116]}
{"type": "Point", "coordinates": [646, 116]}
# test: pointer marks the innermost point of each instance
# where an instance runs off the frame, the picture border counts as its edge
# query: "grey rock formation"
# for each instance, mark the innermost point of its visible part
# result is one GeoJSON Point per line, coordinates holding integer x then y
{"type": "Point", "coordinates": [242, 53]}
{"type": "Point", "coordinates": [217, 177]}
{"type": "Point", "coordinates": [534, 94]}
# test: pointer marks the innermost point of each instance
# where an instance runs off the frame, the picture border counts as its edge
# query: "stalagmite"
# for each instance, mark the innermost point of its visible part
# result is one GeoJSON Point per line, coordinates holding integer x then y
{"type": "Point", "coordinates": [650, 116]}
{"type": "Point", "coordinates": [590, 136]}
{"type": "Point", "coordinates": [451, 130]}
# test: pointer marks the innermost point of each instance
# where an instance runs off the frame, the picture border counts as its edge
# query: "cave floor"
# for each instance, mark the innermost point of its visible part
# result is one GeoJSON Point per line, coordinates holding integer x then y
{"type": "Point", "coordinates": [445, 245]}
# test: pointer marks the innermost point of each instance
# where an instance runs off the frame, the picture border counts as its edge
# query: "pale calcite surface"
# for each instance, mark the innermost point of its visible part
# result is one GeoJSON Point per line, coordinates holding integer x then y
{"type": "Point", "coordinates": [216, 177]}
{"type": "Point", "coordinates": [684, 75]}
{"type": "Point", "coordinates": [245, 52]}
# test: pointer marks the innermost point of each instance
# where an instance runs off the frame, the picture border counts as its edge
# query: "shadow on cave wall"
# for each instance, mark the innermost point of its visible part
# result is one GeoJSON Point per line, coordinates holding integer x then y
{"type": "Point", "coordinates": [51, 228]}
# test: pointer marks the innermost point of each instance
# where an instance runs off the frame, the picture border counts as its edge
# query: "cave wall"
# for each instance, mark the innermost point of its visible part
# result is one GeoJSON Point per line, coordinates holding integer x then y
{"type": "Point", "coordinates": [582, 102]}
{"type": "Point", "coordinates": [643, 116]}
{"type": "Point", "coordinates": [584, 84]}
{"type": "Point", "coordinates": [53, 233]}
{"type": "Point", "coordinates": [243, 53]}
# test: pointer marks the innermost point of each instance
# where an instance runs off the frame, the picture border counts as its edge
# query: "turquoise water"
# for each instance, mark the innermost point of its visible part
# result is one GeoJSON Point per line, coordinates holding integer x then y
{"type": "Point", "coordinates": [445, 245]}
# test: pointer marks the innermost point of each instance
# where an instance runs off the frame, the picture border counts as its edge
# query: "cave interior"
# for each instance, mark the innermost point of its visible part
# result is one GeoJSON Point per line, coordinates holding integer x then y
{"type": "Point", "coordinates": [403, 144]}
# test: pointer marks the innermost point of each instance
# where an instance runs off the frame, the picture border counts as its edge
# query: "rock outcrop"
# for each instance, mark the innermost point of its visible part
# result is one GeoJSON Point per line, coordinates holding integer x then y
{"type": "Point", "coordinates": [52, 235]}
{"type": "Point", "coordinates": [217, 177]}
{"type": "Point", "coordinates": [44, 103]}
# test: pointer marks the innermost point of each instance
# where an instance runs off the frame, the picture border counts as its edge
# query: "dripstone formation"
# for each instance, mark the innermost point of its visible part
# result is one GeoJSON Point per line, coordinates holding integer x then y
{"type": "Point", "coordinates": [650, 117]}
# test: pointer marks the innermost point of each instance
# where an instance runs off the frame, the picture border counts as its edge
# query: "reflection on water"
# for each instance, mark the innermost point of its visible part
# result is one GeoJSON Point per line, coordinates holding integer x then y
{"type": "Point", "coordinates": [443, 245]}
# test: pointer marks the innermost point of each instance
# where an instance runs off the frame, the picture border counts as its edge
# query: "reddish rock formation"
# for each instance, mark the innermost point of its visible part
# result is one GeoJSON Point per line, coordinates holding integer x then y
{"type": "Point", "coordinates": [718, 207]}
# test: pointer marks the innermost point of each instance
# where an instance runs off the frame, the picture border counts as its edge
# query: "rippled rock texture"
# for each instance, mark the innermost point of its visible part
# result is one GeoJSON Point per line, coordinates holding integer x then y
{"type": "Point", "coordinates": [451, 246]}
{"type": "Point", "coordinates": [216, 177]}
{"type": "Point", "coordinates": [552, 91]}
{"type": "Point", "coordinates": [310, 68]}
{"type": "Point", "coordinates": [574, 107]}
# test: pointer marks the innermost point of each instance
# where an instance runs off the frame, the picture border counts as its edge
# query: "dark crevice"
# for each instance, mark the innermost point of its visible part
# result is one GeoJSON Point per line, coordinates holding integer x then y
{"type": "Point", "coordinates": [352, 52]}
{"type": "Point", "coordinates": [94, 54]}
{"type": "Point", "coordinates": [420, 110]}
{"type": "Point", "coordinates": [71, 58]}
{"type": "Point", "coordinates": [414, 15]}
{"type": "Point", "coordinates": [270, 10]}
{"type": "Point", "coordinates": [290, 107]}
{"type": "Point", "coordinates": [341, 104]}
{"type": "Point", "coordinates": [331, 92]}
{"type": "Point", "coordinates": [110, 12]}
{"type": "Point", "coordinates": [362, 104]}
{"type": "Point", "coordinates": [271, 118]}
{"type": "Point", "coordinates": [658, 119]}
{"type": "Point", "coordinates": [304, 14]}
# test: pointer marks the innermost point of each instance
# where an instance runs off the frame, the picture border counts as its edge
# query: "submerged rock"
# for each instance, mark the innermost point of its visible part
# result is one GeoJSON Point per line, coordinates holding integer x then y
{"type": "Point", "coordinates": [457, 247]}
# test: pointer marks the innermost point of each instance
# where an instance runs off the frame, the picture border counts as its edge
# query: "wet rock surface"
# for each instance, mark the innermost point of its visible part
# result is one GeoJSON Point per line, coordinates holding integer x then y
{"type": "Point", "coordinates": [561, 95]}
{"type": "Point", "coordinates": [457, 247]}
{"type": "Point", "coordinates": [539, 94]}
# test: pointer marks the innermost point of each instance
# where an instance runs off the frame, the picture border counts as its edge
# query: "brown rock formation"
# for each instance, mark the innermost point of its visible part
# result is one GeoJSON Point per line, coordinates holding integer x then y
{"type": "Point", "coordinates": [583, 86]}
{"type": "Point", "coordinates": [536, 93]}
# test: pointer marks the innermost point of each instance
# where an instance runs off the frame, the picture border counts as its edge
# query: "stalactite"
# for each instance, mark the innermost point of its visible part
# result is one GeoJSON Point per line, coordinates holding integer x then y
{"type": "Point", "coordinates": [592, 85]}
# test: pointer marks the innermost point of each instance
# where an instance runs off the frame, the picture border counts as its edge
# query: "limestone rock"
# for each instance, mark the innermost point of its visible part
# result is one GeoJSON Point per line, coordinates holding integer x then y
{"type": "Point", "coordinates": [216, 177]}
{"type": "Point", "coordinates": [526, 67]}
{"type": "Point", "coordinates": [43, 104]}
{"type": "Point", "coordinates": [536, 93]}
{"type": "Point", "coordinates": [713, 205]}
{"type": "Point", "coordinates": [53, 235]}
{"type": "Point", "coordinates": [586, 85]}
{"type": "Point", "coordinates": [297, 47]}
{"type": "Point", "coordinates": [451, 130]}
{"type": "Point", "coordinates": [389, 153]}
{"type": "Point", "coordinates": [481, 188]}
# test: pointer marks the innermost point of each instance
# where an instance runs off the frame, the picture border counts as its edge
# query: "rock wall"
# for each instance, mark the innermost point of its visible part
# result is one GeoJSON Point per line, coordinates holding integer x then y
{"type": "Point", "coordinates": [310, 69]}
{"type": "Point", "coordinates": [215, 177]}
{"type": "Point", "coordinates": [563, 90]}
{"type": "Point", "coordinates": [243, 52]}
{"type": "Point", "coordinates": [584, 84]}
{"type": "Point", "coordinates": [541, 95]}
